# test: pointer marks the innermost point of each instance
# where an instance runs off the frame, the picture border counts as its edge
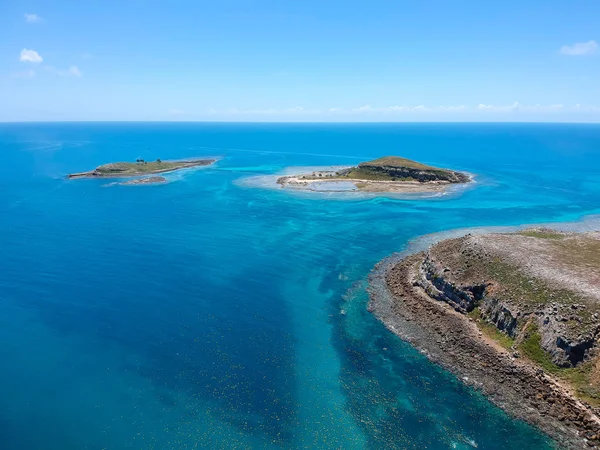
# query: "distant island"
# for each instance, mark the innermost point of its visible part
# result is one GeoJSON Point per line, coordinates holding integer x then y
{"type": "Point", "coordinates": [387, 174]}
{"type": "Point", "coordinates": [517, 315]}
{"type": "Point", "coordinates": [140, 167]}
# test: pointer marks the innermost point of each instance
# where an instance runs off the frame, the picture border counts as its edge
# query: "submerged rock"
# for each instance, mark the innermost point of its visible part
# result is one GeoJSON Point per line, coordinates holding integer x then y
{"type": "Point", "coordinates": [145, 180]}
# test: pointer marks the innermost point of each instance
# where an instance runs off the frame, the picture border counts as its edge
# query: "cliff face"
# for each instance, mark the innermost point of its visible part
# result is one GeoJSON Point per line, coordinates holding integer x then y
{"type": "Point", "coordinates": [566, 344]}
{"type": "Point", "coordinates": [467, 274]}
{"type": "Point", "coordinates": [462, 298]}
{"type": "Point", "coordinates": [419, 174]}
{"type": "Point", "coordinates": [500, 314]}
{"type": "Point", "coordinates": [424, 298]}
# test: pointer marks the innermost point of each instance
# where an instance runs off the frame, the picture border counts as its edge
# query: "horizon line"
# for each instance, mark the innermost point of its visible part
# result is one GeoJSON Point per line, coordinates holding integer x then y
{"type": "Point", "coordinates": [387, 122]}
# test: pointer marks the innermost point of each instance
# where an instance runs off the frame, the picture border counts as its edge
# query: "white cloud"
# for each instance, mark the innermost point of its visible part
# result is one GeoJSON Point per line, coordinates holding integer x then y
{"type": "Point", "coordinates": [297, 110]}
{"type": "Point", "coordinates": [364, 108]}
{"type": "Point", "coordinates": [556, 107]}
{"type": "Point", "coordinates": [32, 18]}
{"type": "Point", "coordinates": [453, 109]}
{"type": "Point", "coordinates": [458, 108]}
{"type": "Point", "coordinates": [585, 108]}
{"type": "Point", "coordinates": [398, 108]}
{"type": "Point", "coordinates": [72, 71]}
{"type": "Point", "coordinates": [30, 56]}
{"type": "Point", "coordinates": [512, 111]}
{"type": "Point", "coordinates": [516, 106]}
{"type": "Point", "coordinates": [262, 111]}
{"type": "Point", "coordinates": [580, 49]}
{"type": "Point", "coordinates": [405, 109]}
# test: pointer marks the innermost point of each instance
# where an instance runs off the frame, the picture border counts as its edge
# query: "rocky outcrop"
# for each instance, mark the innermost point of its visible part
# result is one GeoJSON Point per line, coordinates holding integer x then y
{"type": "Point", "coordinates": [501, 315]}
{"type": "Point", "coordinates": [400, 297]}
{"type": "Point", "coordinates": [467, 273]}
{"type": "Point", "coordinates": [562, 339]}
{"type": "Point", "coordinates": [462, 298]}
{"type": "Point", "coordinates": [421, 175]}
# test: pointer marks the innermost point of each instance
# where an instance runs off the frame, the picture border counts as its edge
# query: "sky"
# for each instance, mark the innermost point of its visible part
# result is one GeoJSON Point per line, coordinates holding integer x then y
{"type": "Point", "coordinates": [310, 60]}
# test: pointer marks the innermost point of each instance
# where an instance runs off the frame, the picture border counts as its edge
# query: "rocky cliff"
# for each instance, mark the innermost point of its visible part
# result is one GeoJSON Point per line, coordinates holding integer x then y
{"type": "Point", "coordinates": [467, 273]}
{"type": "Point", "coordinates": [514, 315]}
{"type": "Point", "coordinates": [422, 175]}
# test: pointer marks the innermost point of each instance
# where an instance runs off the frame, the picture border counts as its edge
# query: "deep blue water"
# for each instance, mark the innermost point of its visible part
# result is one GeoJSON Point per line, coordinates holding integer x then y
{"type": "Point", "coordinates": [209, 313]}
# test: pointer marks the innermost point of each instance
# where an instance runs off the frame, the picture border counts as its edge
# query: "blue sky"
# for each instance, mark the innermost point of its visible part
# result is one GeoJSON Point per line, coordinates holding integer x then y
{"type": "Point", "coordinates": [315, 60]}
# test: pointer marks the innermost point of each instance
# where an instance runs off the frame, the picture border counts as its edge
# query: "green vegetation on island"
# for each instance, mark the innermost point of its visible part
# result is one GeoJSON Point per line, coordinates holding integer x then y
{"type": "Point", "coordinates": [394, 168]}
{"type": "Point", "coordinates": [139, 167]}
{"type": "Point", "coordinates": [516, 314]}
{"type": "Point", "coordinates": [386, 174]}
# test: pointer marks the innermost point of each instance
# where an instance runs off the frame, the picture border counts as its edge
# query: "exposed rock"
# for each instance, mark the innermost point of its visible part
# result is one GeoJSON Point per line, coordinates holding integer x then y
{"type": "Point", "coordinates": [516, 282]}
{"type": "Point", "coordinates": [421, 175]}
{"type": "Point", "coordinates": [468, 272]}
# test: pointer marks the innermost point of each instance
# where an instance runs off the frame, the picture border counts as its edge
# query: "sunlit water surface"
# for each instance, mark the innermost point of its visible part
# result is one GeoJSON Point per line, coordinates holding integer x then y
{"type": "Point", "coordinates": [217, 311]}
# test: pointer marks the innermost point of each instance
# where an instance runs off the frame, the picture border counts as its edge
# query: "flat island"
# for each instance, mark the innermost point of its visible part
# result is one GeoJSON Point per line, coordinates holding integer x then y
{"type": "Point", "coordinates": [387, 174]}
{"type": "Point", "coordinates": [517, 315]}
{"type": "Point", "coordinates": [140, 167]}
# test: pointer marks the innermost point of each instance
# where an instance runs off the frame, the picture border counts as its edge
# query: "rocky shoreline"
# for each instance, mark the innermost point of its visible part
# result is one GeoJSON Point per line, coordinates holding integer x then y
{"type": "Point", "coordinates": [305, 182]}
{"type": "Point", "coordinates": [403, 297]}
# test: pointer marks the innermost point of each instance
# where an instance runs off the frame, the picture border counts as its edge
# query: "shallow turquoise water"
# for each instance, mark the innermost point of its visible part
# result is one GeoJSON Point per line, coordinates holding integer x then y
{"type": "Point", "coordinates": [208, 312]}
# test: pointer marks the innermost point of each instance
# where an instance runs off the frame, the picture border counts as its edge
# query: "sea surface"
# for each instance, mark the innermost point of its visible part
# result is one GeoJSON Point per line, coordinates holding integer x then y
{"type": "Point", "coordinates": [214, 311]}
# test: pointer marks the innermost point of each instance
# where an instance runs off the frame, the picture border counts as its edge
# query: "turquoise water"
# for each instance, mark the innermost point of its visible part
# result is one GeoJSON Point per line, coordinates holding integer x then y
{"type": "Point", "coordinates": [212, 313]}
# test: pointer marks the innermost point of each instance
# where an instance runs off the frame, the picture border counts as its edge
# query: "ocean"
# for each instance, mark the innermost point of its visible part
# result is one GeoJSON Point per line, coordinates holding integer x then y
{"type": "Point", "coordinates": [215, 311]}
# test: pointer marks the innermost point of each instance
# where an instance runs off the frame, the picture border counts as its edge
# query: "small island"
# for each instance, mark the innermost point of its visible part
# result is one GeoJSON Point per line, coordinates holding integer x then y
{"type": "Point", "coordinates": [387, 174]}
{"type": "Point", "coordinates": [516, 315]}
{"type": "Point", "coordinates": [140, 167]}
